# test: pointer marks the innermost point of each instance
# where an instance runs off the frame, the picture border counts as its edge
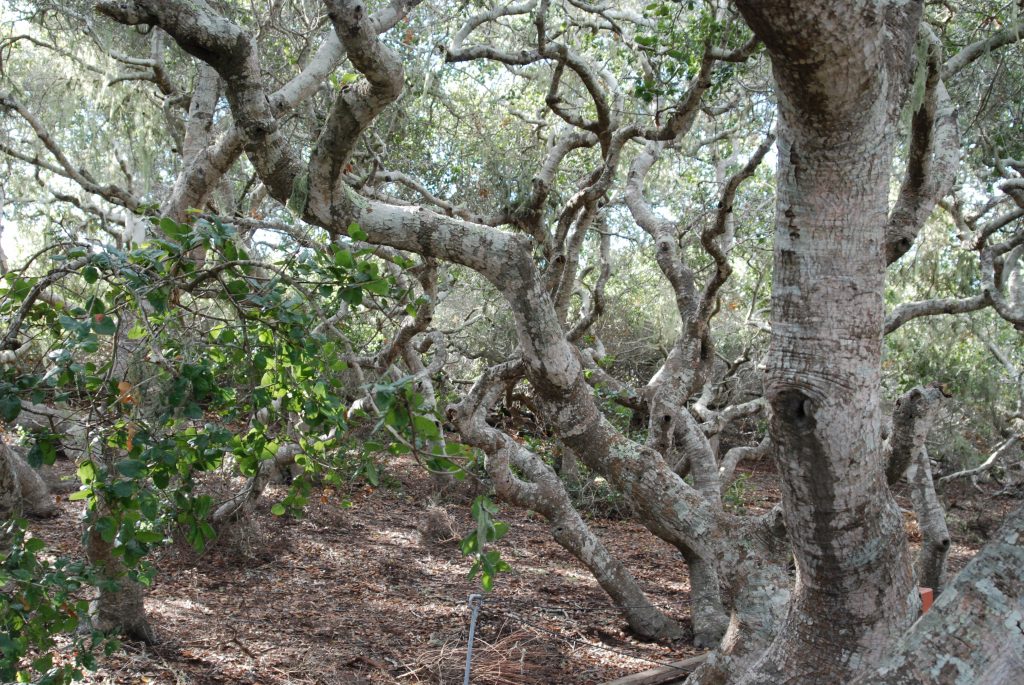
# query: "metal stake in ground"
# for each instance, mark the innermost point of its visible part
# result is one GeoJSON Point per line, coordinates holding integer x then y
{"type": "Point", "coordinates": [474, 603]}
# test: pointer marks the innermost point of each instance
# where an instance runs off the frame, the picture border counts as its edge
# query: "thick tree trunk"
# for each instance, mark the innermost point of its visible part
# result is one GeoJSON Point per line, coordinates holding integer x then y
{"type": "Point", "coordinates": [710, 619]}
{"type": "Point", "coordinates": [840, 74]}
{"type": "Point", "coordinates": [118, 605]}
{"type": "Point", "coordinates": [35, 495]}
{"type": "Point", "coordinates": [22, 490]}
{"type": "Point", "coordinates": [823, 385]}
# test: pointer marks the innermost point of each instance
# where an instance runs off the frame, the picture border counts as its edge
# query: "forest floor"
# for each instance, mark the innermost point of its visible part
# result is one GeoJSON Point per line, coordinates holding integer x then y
{"type": "Point", "coordinates": [361, 590]}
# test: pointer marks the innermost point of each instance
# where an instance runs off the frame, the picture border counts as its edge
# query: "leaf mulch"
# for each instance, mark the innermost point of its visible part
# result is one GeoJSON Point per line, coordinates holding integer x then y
{"type": "Point", "coordinates": [369, 587]}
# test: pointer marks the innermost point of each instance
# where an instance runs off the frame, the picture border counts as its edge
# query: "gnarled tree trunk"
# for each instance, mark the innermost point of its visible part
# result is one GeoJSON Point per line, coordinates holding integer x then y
{"type": "Point", "coordinates": [841, 74]}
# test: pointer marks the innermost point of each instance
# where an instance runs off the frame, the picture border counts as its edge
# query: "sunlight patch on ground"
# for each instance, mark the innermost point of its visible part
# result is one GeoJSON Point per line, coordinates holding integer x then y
{"type": "Point", "coordinates": [398, 537]}
{"type": "Point", "coordinates": [170, 606]}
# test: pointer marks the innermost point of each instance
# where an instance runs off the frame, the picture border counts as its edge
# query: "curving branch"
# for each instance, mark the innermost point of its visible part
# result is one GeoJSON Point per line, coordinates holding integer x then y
{"type": "Point", "coordinates": [64, 167]}
{"type": "Point", "coordinates": [357, 105]}
{"type": "Point", "coordinates": [1010, 310]}
{"type": "Point", "coordinates": [539, 488]}
{"type": "Point", "coordinates": [709, 238]}
{"type": "Point", "coordinates": [908, 311]}
{"type": "Point", "coordinates": [997, 455]}
{"type": "Point", "coordinates": [955, 64]}
{"type": "Point", "coordinates": [932, 160]}
{"type": "Point", "coordinates": [206, 35]}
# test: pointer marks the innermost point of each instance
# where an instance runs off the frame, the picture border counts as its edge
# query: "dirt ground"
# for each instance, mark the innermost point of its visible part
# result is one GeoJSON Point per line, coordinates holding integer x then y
{"type": "Point", "coordinates": [355, 593]}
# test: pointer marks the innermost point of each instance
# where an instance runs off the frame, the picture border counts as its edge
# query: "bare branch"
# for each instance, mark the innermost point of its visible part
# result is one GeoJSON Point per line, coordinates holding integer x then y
{"type": "Point", "coordinates": [908, 311]}
{"type": "Point", "coordinates": [357, 105]}
{"type": "Point", "coordinates": [709, 237]}
{"type": "Point", "coordinates": [64, 167]}
{"type": "Point", "coordinates": [997, 455]}
{"type": "Point", "coordinates": [956, 63]}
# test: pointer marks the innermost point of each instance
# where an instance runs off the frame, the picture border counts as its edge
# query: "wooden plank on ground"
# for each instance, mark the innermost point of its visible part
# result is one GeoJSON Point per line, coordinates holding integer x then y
{"type": "Point", "coordinates": [663, 675]}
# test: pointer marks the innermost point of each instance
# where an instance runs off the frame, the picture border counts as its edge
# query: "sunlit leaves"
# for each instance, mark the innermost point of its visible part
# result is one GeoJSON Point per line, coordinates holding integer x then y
{"type": "Point", "coordinates": [41, 598]}
{"type": "Point", "coordinates": [476, 544]}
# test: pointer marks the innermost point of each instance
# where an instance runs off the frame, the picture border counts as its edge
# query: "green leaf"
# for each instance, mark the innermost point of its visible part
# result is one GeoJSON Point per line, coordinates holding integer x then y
{"type": "Point", "coordinates": [378, 287]}
{"type": "Point", "coordinates": [132, 468]}
{"type": "Point", "coordinates": [173, 229]}
{"type": "Point", "coordinates": [89, 343]}
{"type": "Point", "coordinates": [425, 428]}
{"type": "Point", "coordinates": [72, 325]}
{"type": "Point", "coordinates": [87, 472]}
{"type": "Point", "coordinates": [20, 287]}
{"type": "Point", "coordinates": [149, 506]}
{"type": "Point", "coordinates": [320, 390]}
{"type": "Point", "coordinates": [44, 450]}
{"type": "Point", "coordinates": [498, 531]}
{"type": "Point", "coordinates": [355, 232]}
{"type": "Point", "coordinates": [352, 295]}
{"type": "Point", "coordinates": [238, 287]}
{"type": "Point", "coordinates": [10, 406]}
{"type": "Point", "coordinates": [90, 274]}
{"type": "Point", "coordinates": [343, 258]}
{"type": "Point", "coordinates": [269, 451]}
{"type": "Point", "coordinates": [103, 324]}
{"type": "Point", "coordinates": [371, 472]}
{"type": "Point", "coordinates": [107, 528]}
{"type": "Point", "coordinates": [123, 489]}
{"type": "Point", "coordinates": [278, 509]}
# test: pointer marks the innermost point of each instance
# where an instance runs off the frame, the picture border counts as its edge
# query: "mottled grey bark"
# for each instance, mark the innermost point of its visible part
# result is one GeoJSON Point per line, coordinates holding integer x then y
{"type": "Point", "coordinates": [974, 633]}
{"type": "Point", "coordinates": [62, 422]}
{"type": "Point", "coordinates": [22, 489]}
{"type": "Point", "coordinates": [541, 490]}
{"type": "Point", "coordinates": [10, 488]}
{"type": "Point", "coordinates": [907, 453]}
{"type": "Point", "coordinates": [912, 418]}
{"type": "Point", "coordinates": [736, 455]}
{"type": "Point", "coordinates": [841, 73]}
{"type": "Point", "coordinates": [35, 495]}
{"type": "Point", "coordinates": [241, 504]}
{"type": "Point", "coordinates": [930, 565]}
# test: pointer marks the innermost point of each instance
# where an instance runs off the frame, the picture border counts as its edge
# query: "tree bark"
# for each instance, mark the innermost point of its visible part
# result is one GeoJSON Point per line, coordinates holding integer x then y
{"type": "Point", "coordinates": [930, 565]}
{"type": "Point", "coordinates": [907, 454]}
{"type": "Point", "coordinates": [118, 606]}
{"type": "Point", "coordinates": [541, 490]}
{"type": "Point", "coordinates": [974, 633]}
{"type": "Point", "coordinates": [10, 488]}
{"type": "Point", "coordinates": [840, 75]}
{"type": "Point", "coordinates": [35, 495]}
